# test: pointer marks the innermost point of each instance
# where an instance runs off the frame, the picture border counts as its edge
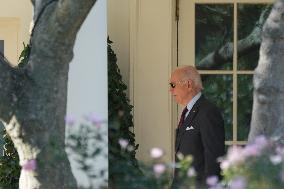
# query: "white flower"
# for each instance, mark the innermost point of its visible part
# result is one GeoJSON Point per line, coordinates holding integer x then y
{"type": "Point", "coordinates": [159, 169]}
{"type": "Point", "coordinates": [235, 155]}
{"type": "Point", "coordinates": [180, 156]}
{"type": "Point", "coordinates": [156, 153]}
{"type": "Point", "coordinates": [130, 148]}
{"type": "Point", "coordinates": [225, 165]}
{"type": "Point", "coordinates": [123, 143]}
{"type": "Point", "coordinates": [275, 159]}
{"type": "Point", "coordinates": [191, 172]}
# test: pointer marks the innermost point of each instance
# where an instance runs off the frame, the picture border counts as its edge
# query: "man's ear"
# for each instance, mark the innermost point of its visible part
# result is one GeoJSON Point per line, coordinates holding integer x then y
{"type": "Point", "coordinates": [189, 83]}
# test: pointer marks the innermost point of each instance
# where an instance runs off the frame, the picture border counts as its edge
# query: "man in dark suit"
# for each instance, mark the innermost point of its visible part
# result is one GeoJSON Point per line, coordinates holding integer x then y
{"type": "Point", "coordinates": [200, 132]}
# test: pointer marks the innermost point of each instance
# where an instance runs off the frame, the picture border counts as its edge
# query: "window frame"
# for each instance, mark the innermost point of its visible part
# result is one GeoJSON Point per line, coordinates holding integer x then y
{"type": "Point", "coordinates": [235, 73]}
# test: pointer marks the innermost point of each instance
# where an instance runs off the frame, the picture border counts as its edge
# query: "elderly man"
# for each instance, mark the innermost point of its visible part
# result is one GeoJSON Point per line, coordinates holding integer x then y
{"type": "Point", "coordinates": [200, 131]}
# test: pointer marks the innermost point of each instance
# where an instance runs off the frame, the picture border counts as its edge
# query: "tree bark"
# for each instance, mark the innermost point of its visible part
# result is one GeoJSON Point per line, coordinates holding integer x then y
{"type": "Point", "coordinates": [33, 98]}
{"type": "Point", "coordinates": [268, 104]}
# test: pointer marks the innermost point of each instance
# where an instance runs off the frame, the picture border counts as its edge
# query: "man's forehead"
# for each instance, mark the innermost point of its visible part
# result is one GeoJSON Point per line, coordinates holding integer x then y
{"type": "Point", "coordinates": [176, 75]}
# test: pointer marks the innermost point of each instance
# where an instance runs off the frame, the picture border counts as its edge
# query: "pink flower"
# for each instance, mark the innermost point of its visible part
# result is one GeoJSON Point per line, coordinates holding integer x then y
{"type": "Point", "coordinates": [261, 141]}
{"type": "Point", "coordinates": [280, 150]}
{"type": "Point", "coordinates": [212, 180]}
{"type": "Point", "coordinates": [225, 164]}
{"type": "Point", "coordinates": [70, 120]}
{"type": "Point", "coordinates": [156, 153]}
{"type": "Point", "coordinates": [94, 119]}
{"type": "Point", "coordinates": [235, 155]}
{"type": "Point", "coordinates": [159, 169]}
{"type": "Point", "coordinates": [238, 183]}
{"type": "Point", "coordinates": [252, 150]}
{"type": "Point", "coordinates": [123, 143]}
{"type": "Point", "coordinates": [30, 165]}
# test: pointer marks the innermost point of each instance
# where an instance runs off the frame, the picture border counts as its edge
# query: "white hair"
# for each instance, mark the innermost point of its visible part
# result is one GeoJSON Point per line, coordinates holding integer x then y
{"type": "Point", "coordinates": [191, 73]}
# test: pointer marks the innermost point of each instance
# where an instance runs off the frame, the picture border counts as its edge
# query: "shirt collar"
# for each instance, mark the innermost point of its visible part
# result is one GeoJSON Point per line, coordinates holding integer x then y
{"type": "Point", "coordinates": [193, 101]}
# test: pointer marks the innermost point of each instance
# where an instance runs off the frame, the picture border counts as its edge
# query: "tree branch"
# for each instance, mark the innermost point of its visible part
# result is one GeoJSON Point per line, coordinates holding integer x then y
{"type": "Point", "coordinates": [7, 96]}
{"type": "Point", "coordinates": [225, 54]}
{"type": "Point", "coordinates": [69, 17]}
{"type": "Point", "coordinates": [39, 5]}
{"type": "Point", "coordinates": [58, 26]}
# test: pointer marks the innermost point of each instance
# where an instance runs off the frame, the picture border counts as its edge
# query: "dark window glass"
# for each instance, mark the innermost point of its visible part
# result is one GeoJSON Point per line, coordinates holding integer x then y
{"type": "Point", "coordinates": [245, 99]}
{"type": "Point", "coordinates": [218, 89]}
{"type": "Point", "coordinates": [213, 31]}
{"type": "Point", "coordinates": [248, 20]}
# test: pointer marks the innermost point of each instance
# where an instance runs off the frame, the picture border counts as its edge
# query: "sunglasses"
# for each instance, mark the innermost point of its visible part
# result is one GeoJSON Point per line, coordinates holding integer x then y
{"type": "Point", "coordinates": [172, 85]}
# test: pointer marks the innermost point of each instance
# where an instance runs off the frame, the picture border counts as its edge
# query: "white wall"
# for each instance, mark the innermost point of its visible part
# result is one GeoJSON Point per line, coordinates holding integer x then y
{"type": "Point", "coordinates": [143, 32]}
{"type": "Point", "coordinates": [21, 10]}
{"type": "Point", "coordinates": [152, 57]}
{"type": "Point", "coordinates": [118, 32]}
{"type": "Point", "coordinates": [87, 87]}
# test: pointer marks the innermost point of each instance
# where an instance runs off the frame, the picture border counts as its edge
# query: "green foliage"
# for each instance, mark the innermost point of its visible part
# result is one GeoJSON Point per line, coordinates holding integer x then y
{"type": "Point", "coordinates": [9, 165]}
{"type": "Point", "coordinates": [157, 173]}
{"type": "Point", "coordinates": [122, 163]}
{"type": "Point", "coordinates": [24, 56]}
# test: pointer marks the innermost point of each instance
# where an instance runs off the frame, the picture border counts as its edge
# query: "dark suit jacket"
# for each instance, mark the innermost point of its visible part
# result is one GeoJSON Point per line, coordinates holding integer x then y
{"type": "Point", "coordinates": [202, 135]}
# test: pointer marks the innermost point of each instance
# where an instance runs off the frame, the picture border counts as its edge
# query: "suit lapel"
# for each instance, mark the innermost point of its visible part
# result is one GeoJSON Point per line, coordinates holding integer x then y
{"type": "Point", "coordinates": [180, 131]}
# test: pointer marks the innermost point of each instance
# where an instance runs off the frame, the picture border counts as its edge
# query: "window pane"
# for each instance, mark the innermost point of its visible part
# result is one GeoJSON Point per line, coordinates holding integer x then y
{"type": "Point", "coordinates": [245, 99]}
{"type": "Point", "coordinates": [248, 17]}
{"type": "Point", "coordinates": [218, 89]}
{"type": "Point", "coordinates": [213, 29]}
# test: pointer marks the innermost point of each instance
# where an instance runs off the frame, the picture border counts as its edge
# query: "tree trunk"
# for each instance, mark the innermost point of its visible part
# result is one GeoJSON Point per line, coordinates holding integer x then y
{"type": "Point", "coordinates": [268, 104]}
{"type": "Point", "coordinates": [33, 98]}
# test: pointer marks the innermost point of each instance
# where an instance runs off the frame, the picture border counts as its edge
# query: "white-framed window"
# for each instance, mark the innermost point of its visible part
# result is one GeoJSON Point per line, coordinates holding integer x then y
{"type": "Point", "coordinates": [9, 28]}
{"type": "Point", "coordinates": [222, 39]}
